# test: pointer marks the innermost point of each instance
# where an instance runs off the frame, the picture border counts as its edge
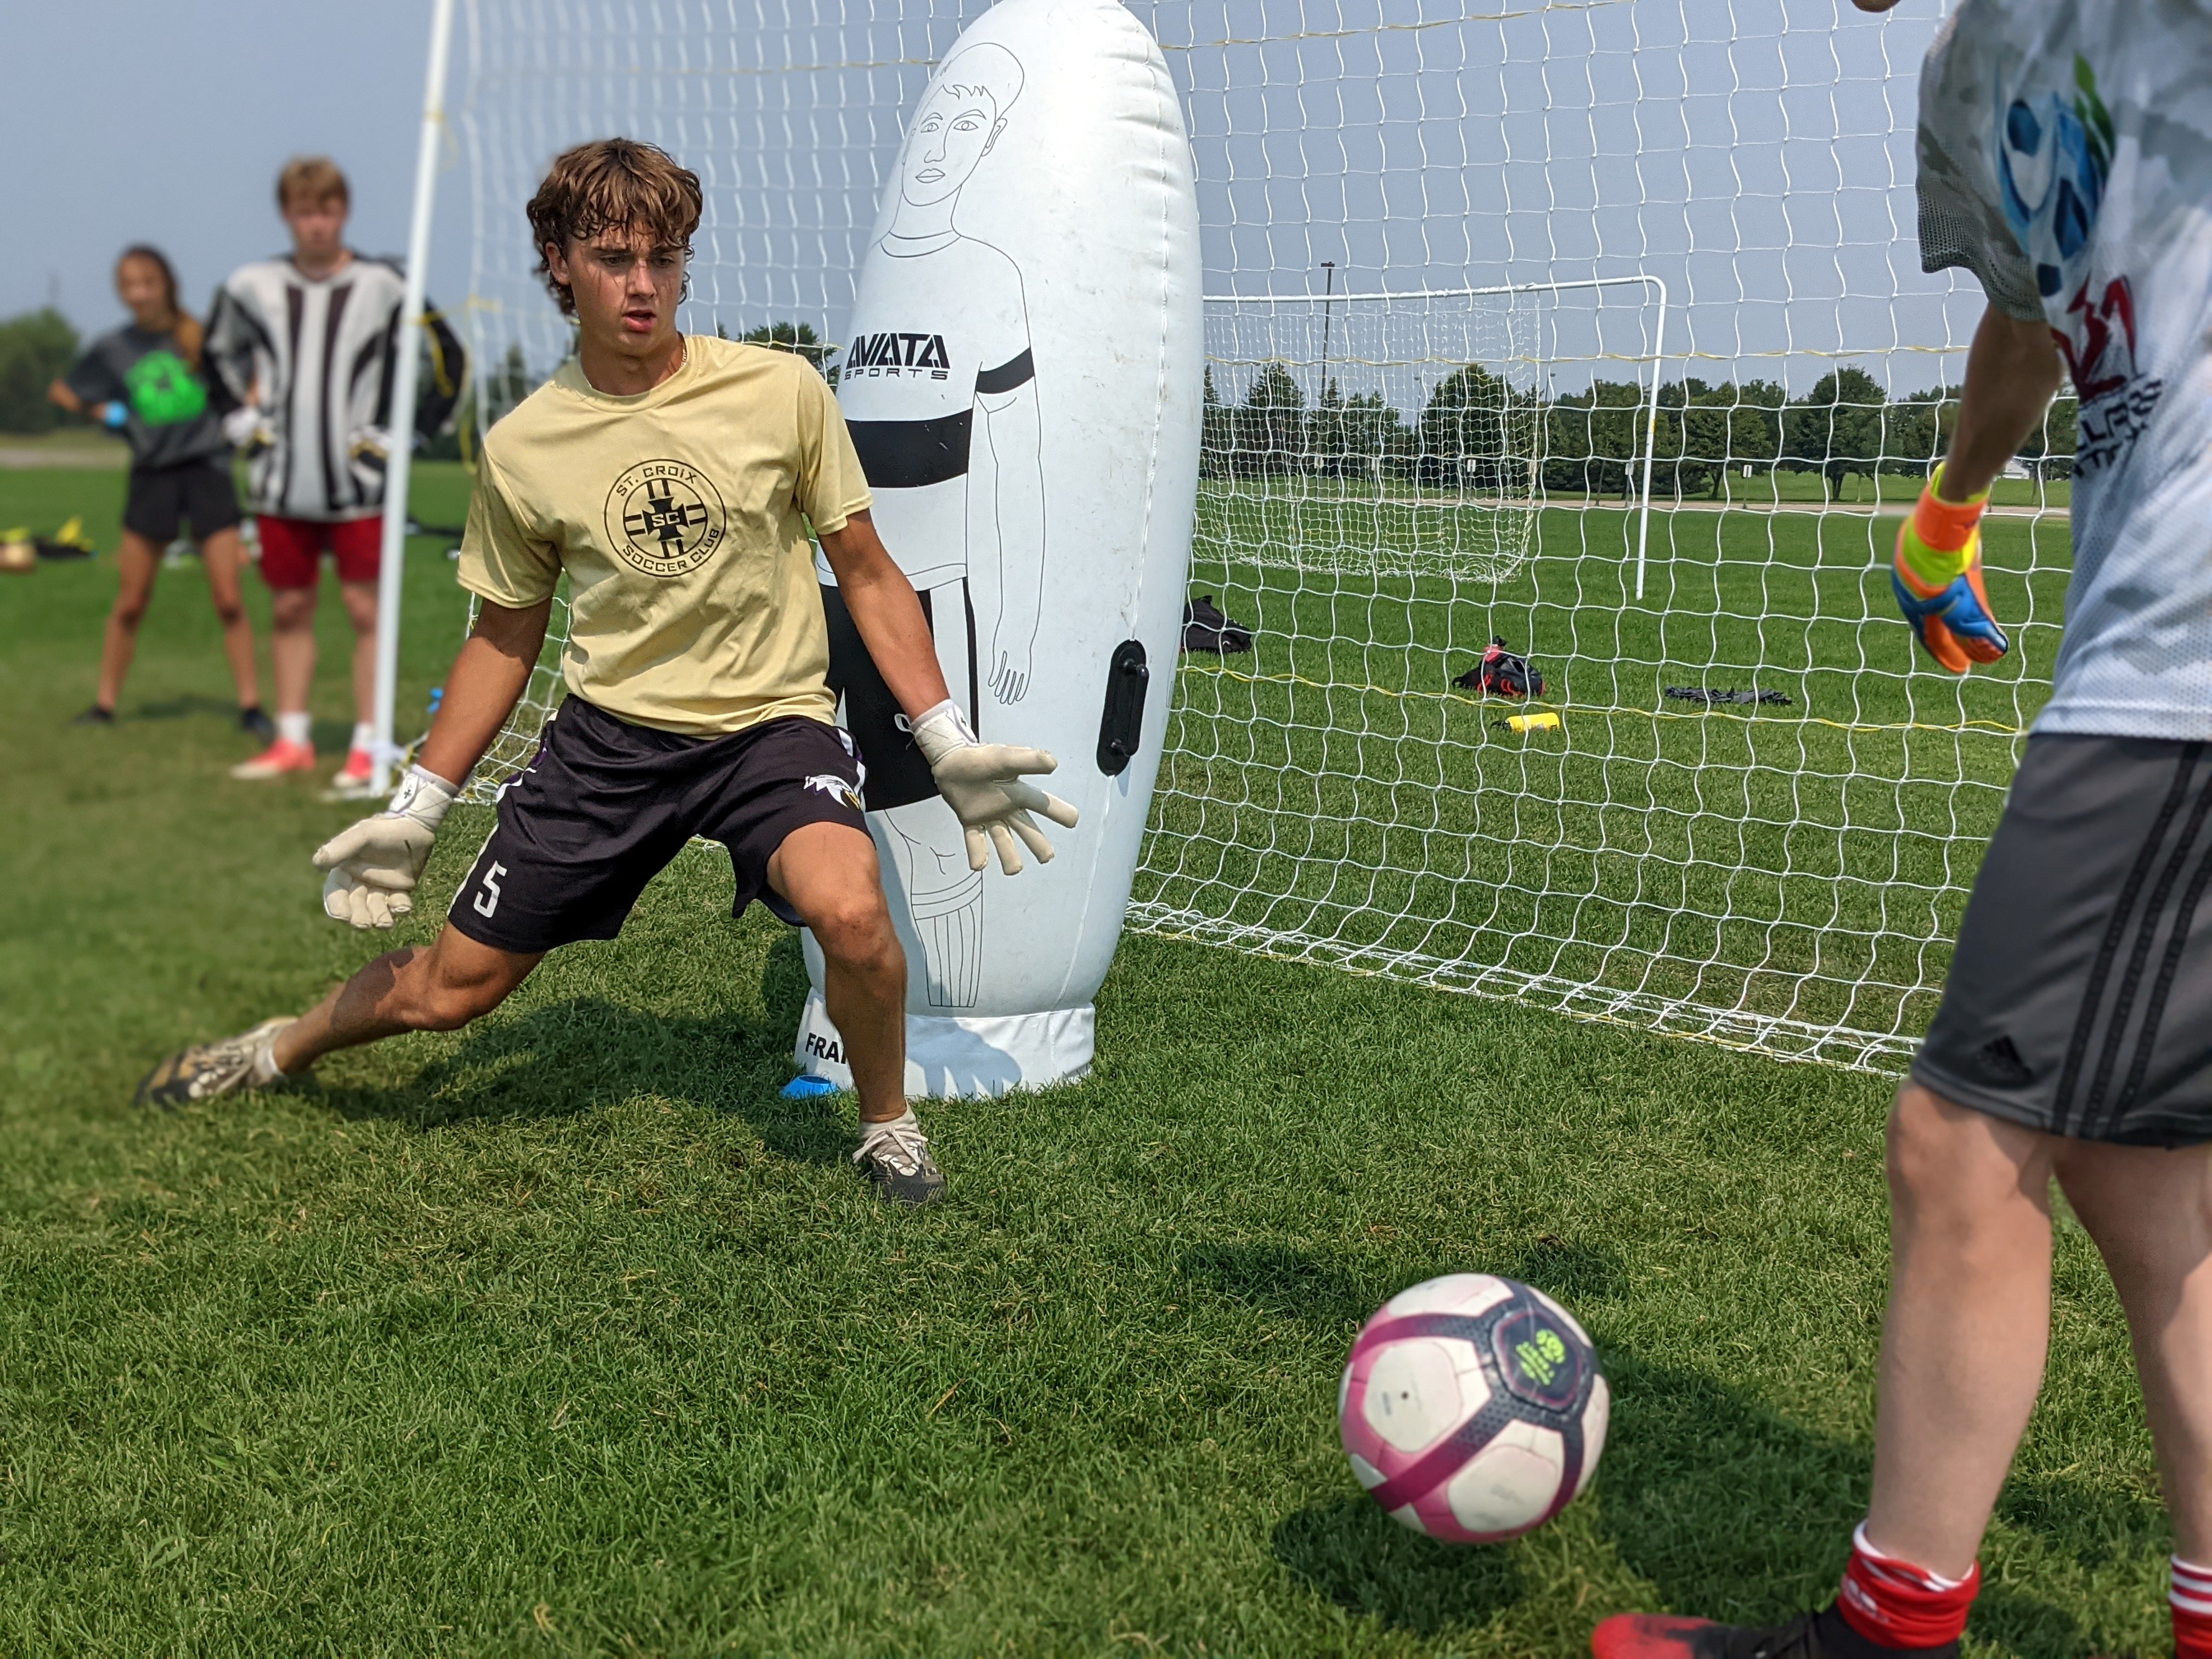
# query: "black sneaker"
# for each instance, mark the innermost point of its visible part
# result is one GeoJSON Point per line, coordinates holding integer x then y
{"type": "Point", "coordinates": [1822, 1635]}
{"type": "Point", "coordinates": [95, 715]}
{"type": "Point", "coordinates": [896, 1158]}
{"type": "Point", "coordinates": [255, 721]}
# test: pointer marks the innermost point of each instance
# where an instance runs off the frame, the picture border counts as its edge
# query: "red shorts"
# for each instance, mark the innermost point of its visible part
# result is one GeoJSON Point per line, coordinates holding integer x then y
{"type": "Point", "coordinates": [291, 549]}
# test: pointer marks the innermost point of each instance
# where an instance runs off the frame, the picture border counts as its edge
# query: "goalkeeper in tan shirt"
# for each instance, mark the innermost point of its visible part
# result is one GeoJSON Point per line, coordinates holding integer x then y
{"type": "Point", "coordinates": [673, 478]}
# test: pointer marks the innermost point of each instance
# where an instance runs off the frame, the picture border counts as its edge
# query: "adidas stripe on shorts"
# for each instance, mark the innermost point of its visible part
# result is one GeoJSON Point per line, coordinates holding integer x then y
{"type": "Point", "coordinates": [2080, 998]}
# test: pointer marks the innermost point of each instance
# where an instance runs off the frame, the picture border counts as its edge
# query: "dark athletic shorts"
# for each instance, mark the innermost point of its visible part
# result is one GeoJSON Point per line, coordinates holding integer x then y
{"type": "Point", "coordinates": [898, 775]}
{"type": "Point", "coordinates": [605, 805]}
{"type": "Point", "coordinates": [2079, 999]}
{"type": "Point", "coordinates": [159, 500]}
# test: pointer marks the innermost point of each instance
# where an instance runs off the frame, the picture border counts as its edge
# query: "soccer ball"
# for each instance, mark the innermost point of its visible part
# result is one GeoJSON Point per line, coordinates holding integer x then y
{"type": "Point", "coordinates": [1472, 1408]}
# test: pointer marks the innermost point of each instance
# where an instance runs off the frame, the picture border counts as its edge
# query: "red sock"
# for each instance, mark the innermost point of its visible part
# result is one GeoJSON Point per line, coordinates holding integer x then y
{"type": "Point", "coordinates": [1894, 1604]}
{"type": "Point", "coordinates": [2191, 1596]}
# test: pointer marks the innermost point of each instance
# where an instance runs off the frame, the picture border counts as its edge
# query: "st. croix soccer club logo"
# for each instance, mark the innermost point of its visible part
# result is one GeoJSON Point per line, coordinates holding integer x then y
{"type": "Point", "coordinates": [665, 518]}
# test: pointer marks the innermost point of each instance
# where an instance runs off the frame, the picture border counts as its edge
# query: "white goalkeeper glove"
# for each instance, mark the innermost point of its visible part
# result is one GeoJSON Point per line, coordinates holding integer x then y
{"type": "Point", "coordinates": [374, 866]}
{"type": "Point", "coordinates": [982, 784]}
{"type": "Point", "coordinates": [248, 430]}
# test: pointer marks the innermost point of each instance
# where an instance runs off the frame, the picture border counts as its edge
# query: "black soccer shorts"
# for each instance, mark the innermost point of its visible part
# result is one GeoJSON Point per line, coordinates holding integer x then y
{"type": "Point", "coordinates": [160, 500]}
{"type": "Point", "coordinates": [898, 772]}
{"type": "Point", "coordinates": [2080, 998]}
{"type": "Point", "coordinates": [605, 805]}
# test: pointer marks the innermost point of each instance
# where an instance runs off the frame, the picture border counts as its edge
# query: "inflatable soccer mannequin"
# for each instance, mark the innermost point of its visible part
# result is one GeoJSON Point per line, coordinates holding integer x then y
{"type": "Point", "coordinates": [1022, 375]}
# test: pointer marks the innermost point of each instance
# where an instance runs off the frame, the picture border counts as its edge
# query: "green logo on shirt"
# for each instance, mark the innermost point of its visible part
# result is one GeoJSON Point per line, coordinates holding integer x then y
{"type": "Point", "coordinates": [163, 390]}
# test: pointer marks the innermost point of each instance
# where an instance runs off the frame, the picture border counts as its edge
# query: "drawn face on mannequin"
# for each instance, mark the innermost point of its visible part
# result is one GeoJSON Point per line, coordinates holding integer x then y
{"type": "Point", "coordinates": [955, 130]}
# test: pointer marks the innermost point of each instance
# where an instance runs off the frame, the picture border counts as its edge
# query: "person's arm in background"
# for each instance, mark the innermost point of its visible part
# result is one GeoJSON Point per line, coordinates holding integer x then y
{"type": "Point", "coordinates": [230, 356]}
{"type": "Point", "coordinates": [105, 411]}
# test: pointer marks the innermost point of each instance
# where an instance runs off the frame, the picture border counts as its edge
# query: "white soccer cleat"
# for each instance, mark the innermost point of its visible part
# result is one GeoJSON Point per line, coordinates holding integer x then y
{"type": "Point", "coordinates": [208, 1069]}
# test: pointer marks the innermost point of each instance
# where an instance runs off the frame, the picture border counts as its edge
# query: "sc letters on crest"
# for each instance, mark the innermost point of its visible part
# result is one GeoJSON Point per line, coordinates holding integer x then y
{"type": "Point", "coordinates": [665, 518]}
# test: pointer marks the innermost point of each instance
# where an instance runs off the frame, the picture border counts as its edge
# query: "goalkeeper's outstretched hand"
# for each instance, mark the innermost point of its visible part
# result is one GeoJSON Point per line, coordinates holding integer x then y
{"type": "Point", "coordinates": [374, 866]}
{"type": "Point", "coordinates": [1937, 577]}
{"type": "Point", "coordinates": [982, 784]}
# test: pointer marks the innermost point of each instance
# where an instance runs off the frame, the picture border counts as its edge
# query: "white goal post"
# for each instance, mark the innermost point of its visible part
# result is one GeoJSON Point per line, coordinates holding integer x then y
{"type": "Point", "coordinates": [1593, 328]}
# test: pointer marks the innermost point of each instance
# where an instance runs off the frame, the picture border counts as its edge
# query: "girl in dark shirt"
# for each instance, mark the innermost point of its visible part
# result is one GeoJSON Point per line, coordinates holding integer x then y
{"type": "Point", "coordinates": [144, 381]}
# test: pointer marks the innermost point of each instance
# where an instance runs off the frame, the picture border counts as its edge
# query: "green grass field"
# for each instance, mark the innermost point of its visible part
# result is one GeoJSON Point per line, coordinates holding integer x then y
{"type": "Point", "coordinates": [1787, 876]}
{"type": "Point", "coordinates": [566, 1335]}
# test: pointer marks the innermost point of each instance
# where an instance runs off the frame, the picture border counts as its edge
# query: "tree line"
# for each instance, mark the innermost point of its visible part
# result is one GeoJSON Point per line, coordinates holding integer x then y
{"type": "Point", "coordinates": [1478, 433]}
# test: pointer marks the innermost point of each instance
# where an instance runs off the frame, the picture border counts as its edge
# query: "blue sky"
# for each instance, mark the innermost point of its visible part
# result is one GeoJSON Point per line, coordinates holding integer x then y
{"type": "Point", "coordinates": [1754, 154]}
{"type": "Point", "coordinates": [152, 120]}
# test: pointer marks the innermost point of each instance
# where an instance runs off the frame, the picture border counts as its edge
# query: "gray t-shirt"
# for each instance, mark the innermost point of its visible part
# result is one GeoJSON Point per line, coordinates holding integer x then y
{"type": "Point", "coordinates": [2065, 158]}
{"type": "Point", "coordinates": [170, 421]}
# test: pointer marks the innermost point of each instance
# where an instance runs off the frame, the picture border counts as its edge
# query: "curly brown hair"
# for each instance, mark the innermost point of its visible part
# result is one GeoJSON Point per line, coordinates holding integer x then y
{"type": "Point", "coordinates": [617, 182]}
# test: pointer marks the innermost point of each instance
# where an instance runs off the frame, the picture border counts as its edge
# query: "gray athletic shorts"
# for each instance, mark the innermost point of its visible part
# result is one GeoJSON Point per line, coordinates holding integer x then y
{"type": "Point", "coordinates": [2080, 1000]}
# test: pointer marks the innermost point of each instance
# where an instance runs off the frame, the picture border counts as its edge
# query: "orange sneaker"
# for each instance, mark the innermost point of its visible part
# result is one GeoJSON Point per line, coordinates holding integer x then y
{"type": "Point", "coordinates": [359, 767]}
{"type": "Point", "coordinates": [279, 757]}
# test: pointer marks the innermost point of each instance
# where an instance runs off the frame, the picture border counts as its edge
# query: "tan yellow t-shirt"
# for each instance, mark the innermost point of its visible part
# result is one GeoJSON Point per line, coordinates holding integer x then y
{"type": "Point", "coordinates": [680, 516]}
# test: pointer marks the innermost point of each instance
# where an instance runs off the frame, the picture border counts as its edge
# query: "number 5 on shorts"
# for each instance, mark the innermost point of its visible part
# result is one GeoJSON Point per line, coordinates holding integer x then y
{"type": "Point", "coordinates": [488, 900]}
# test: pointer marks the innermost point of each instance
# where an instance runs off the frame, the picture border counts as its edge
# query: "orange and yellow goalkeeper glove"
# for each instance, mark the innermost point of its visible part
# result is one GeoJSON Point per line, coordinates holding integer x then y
{"type": "Point", "coordinates": [1937, 575]}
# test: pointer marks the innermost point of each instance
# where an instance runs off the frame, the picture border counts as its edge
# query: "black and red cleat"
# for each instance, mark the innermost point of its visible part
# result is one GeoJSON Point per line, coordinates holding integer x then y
{"type": "Point", "coordinates": [1822, 1635]}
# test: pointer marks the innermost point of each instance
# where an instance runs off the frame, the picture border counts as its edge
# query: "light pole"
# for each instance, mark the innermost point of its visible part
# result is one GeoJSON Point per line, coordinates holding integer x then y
{"type": "Point", "coordinates": [1327, 304]}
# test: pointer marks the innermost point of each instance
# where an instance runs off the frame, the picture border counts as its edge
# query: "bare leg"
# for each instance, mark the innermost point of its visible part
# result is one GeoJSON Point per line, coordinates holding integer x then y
{"type": "Point", "coordinates": [360, 610]}
{"type": "Point", "coordinates": [2150, 1211]}
{"type": "Point", "coordinates": [1969, 1320]}
{"type": "Point", "coordinates": [441, 988]}
{"type": "Point", "coordinates": [225, 556]}
{"type": "Point", "coordinates": [828, 873]}
{"type": "Point", "coordinates": [292, 645]}
{"type": "Point", "coordinates": [140, 562]}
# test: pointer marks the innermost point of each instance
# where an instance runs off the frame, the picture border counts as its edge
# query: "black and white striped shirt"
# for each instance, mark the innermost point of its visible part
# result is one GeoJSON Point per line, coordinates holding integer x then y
{"type": "Point", "coordinates": [316, 355]}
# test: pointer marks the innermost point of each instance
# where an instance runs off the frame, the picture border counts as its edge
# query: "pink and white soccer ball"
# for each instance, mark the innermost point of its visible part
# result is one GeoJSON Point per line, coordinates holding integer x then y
{"type": "Point", "coordinates": [1473, 1409]}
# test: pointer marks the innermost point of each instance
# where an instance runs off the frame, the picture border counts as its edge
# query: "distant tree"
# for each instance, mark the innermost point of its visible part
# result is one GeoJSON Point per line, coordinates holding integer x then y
{"type": "Point", "coordinates": [1721, 427]}
{"type": "Point", "coordinates": [1836, 428]}
{"type": "Point", "coordinates": [1271, 424]}
{"type": "Point", "coordinates": [1594, 440]}
{"type": "Point", "coordinates": [1376, 443]}
{"type": "Point", "coordinates": [1217, 456]}
{"type": "Point", "coordinates": [34, 347]}
{"type": "Point", "coordinates": [1914, 429]}
{"type": "Point", "coordinates": [799, 338]}
{"type": "Point", "coordinates": [1327, 440]}
{"type": "Point", "coordinates": [1478, 433]}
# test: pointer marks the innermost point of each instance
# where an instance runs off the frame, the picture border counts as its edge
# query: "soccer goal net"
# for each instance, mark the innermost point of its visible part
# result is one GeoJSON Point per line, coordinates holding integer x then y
{"type": "Point", "coordinates": [1594, 329]}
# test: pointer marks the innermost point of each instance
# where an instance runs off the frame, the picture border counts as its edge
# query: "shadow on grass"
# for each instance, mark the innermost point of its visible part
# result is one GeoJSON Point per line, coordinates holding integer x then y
{"type": "Point", "coordinates": [1295, 1283]}
{"type": "Point", "coordinates": [187, 707]}
{"type": "Point", "coordinates": [1732, 1511]}
{"type": "Point", "coordinates": [589, 1054]}
{"type": "Point", "coordinates": [1326, 1291]}
{"type": "Point", "coordinates": [1351, 1553]}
